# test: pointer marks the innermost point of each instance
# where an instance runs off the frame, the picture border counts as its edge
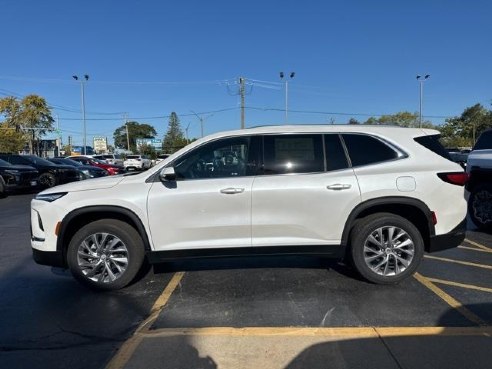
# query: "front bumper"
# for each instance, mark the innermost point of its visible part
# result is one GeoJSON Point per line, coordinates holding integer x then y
{"type": "Point", "coordinates": [448, 240]}
{"type": "Point", "coordinates": [52, 258]}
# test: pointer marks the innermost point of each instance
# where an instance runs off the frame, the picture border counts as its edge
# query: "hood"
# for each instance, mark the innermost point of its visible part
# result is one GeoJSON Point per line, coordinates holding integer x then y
{"type": "Point", "coordinates": [87, 185]}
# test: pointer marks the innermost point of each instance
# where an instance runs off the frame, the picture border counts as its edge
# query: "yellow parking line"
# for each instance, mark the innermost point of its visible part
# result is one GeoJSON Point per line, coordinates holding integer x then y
{"type": "Point", "coordinates": [126, 351]}
{"type": "Point", "coordinates": [474, 249]}
{"type": "Point", "coordinates": [483, 247]}
{"type": "Point", "coordinates": [339, 332]}
{"type": "Point", "coordinates": [462, 285]}
{"type": "Point", "coordinates": [467, 263]}
{"type": "Point", "coordinates": [455, 304]}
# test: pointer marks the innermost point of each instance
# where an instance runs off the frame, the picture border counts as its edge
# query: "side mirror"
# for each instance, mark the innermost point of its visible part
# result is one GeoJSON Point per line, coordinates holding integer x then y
{"type": "Point", "coordinates": [167, 174]}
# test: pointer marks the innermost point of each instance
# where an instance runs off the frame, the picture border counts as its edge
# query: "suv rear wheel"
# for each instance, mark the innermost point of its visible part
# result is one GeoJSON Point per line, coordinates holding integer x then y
{"type": "Point", "coordinates": [386, 248]}
{"type": "Point", "coordinates": [480, 206]}
{"type": "Point", "coordinates": [106, 254]}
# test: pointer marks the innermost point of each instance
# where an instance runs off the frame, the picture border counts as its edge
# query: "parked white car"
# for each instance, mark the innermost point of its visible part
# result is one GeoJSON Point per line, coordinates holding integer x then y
{"type": "Point", "coordinates": [113, 159]}
{"type": "Point", "coordinates": [137, 162]}
{"type": "Point", "coordinates": [377, 196]}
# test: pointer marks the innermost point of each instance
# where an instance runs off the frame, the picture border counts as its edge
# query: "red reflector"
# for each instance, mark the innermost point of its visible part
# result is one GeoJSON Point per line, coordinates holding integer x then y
{"type": "Point", "coordinates": [434, 217]}
{"type": "Point", "coordinates": [456, 178]}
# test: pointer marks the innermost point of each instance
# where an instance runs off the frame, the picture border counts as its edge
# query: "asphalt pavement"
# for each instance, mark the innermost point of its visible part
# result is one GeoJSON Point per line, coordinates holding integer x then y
{"type": "Point", "coordinates": [271, 312]}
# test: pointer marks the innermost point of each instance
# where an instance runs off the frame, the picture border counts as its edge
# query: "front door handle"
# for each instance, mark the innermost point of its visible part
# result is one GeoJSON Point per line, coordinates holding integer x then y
{"type": "Point", "coordinates": [339, 186]}
{"type": "Point", "coordinates": [232, 190]}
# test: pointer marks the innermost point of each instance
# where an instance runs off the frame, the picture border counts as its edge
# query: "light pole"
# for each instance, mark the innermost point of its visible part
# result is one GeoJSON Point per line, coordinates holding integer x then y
{"type": "Point", "coordinates": [201, 119]}
{"type": "Point", "coordinates": [82, 81]}
{"type": "Point", "coordinates": [421, 89]}
{"type": "Point", "coordinates": [291, 75]}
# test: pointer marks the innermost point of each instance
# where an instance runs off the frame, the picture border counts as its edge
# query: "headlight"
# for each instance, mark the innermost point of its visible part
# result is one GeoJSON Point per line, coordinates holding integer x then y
{"type": "Point", "coordinates": [50, 197]}
{"type": "Point", "coordinates": [12, 171]}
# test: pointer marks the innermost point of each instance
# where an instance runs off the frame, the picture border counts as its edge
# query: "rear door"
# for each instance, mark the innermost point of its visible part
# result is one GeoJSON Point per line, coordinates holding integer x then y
{"type": "Point", "coordinates": [304, 196]}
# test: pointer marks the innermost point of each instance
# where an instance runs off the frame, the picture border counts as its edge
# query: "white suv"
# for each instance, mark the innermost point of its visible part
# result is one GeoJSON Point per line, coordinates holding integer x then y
{"type": "Point", "coordinates": [377, 196]}
{"type": "Point", "coordinates": [137, 162]}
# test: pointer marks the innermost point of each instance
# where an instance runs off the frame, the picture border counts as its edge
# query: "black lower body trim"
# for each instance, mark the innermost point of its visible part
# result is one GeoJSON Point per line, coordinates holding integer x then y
{"type": "Point", "coordinates": [52, 258]}
{"type": "Point", "coordinates": [332, 251]}
{"type": "Point", "coordinates": [448, 240]}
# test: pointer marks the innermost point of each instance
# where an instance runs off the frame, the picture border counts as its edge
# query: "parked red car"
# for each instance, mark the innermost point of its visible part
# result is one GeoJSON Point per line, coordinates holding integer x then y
{"type": "Point", "coordinates": [112, 169]}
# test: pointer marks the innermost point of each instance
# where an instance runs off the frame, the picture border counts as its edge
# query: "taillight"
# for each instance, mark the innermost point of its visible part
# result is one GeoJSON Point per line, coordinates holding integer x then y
{"type": "Point", "coordinates": [456, 178]}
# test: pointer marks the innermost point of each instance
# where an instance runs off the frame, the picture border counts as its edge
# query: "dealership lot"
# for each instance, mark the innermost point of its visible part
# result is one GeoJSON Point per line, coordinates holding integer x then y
{"type": "Point", "coordinates": [276, 312]}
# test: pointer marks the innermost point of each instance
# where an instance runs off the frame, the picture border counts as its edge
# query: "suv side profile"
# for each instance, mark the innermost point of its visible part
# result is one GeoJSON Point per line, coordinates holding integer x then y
{"type": "Point", "coordinates": [376, 196]}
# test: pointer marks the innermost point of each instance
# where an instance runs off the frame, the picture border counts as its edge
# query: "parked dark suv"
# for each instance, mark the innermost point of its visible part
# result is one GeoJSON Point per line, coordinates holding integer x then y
{"type": "Point", "coordinates": [16, 177]}
{"type": "Point", "coordinates": [49, 174]}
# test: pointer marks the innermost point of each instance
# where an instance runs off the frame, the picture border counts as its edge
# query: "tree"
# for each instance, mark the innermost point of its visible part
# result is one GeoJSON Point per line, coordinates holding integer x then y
{"type": "Point", "coordinates": [174, 138]}
{"type": "Point", "coordinates": [402, 119]}
{"type": "Point", "coordinates": [464, 130]}
{"type": "Point", "coordinates": [135, 130]}
{"type": "Point", "coordinates": [11, 140]}
{"type": "Point", "coordinates": [353, 121]}
{"type": "Point", "coordinates": [30, 116]}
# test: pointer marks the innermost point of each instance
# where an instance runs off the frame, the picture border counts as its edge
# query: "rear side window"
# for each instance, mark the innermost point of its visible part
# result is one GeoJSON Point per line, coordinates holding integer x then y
{"type": "Point", "coordinates": [335, 154]}
{"type": "Point", "coordinates": [364, 149]}
{"type": "Point", "coordinates": [293, 154]}
{"type": "Point", "coordinates": [432, 143]}
{"type": "Point", "coordinates": [484, 141]}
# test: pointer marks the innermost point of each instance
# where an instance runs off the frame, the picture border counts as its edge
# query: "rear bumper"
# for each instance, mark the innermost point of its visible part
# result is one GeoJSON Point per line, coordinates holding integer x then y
{"type": "Point", "coordinates": [448, 240]}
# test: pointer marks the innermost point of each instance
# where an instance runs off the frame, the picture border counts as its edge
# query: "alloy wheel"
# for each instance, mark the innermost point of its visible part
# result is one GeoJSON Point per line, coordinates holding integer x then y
{"type": "Point", "coordinates": [388, 251]}
{"type": "Point", "coordinates": [102, 257]}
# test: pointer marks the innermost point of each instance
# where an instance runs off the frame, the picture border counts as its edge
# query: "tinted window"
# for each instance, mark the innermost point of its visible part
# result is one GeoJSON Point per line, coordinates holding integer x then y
{"type": "Point", "coordinates": [484, 141]}
{"type": "Point", "coordinates": [432, 143]}
{"type": "Point", "coordinates": [365, 149]}
{"type": "Point", "coordinates": [230, 157]}
{"type": "Point", "coordinates": [293, 154]}
{"type": "Point", "coordinates": [4, 163]}
{"type": "Point", "coordinates": [18, 160]}
{"type": "Point", "coordinates": [335, 154]}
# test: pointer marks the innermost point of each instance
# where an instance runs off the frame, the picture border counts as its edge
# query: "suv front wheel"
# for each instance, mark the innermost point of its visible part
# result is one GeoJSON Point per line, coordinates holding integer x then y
{"type": "Point", "coordinates": [480, 206]}
{"type": "Point", "coordinates": [386, 248]}
{"type": "Point", "coordinates": [106, 254]}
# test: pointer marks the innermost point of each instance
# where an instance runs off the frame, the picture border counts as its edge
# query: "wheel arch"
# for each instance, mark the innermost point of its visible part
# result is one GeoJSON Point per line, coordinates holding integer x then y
{"type": "Point", "coordinates": [74, 220]}
{"type": "Point", "coordinates": [412, 209]}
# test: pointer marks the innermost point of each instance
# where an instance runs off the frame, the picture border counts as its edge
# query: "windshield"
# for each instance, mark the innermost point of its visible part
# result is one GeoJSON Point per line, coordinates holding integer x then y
{"type": "Point", "coordinates": [4, 163]}
{"type": "Point", "coordinates": [133, 157]}
{"type": "Point", "coordinates": [38, 161]}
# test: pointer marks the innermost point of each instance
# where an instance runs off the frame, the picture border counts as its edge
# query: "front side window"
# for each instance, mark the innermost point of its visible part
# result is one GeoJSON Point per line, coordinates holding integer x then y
{"type": "Point", "coordinates": [484, 141]}
{"type": "Point", "coordinates": [293, 154]}
{"type": "Point", "coordinates": [229, 157]}
{"type": "Point", "coordinates": [365, 150]}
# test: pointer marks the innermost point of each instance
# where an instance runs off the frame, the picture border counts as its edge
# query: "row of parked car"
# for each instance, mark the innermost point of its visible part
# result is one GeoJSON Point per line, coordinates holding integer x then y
{"type": "Point", "coordinates": [21, 172]}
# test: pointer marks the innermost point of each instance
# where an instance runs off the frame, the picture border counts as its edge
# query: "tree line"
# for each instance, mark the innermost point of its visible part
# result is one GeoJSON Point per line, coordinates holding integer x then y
{"type": "Point", "coordinates": [26, 120]}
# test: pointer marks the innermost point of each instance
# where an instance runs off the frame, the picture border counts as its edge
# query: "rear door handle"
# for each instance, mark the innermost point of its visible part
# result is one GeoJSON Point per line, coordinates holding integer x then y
{"type": "Point", "coordinates": [232, 190]}
{"type": "Point", "coordinates": [339, 186]}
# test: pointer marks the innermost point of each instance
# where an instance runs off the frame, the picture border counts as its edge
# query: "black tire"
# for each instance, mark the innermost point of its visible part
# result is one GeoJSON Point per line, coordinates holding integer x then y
{"type": "Point", "coordinates": [3, 193]}
{"type": "Point", "coordinates": [403, 256]}
{"type": "Point", "coordinates": [480, 206]}
{"type": "Point", "coordinates": [96, 271]}
{"type": "Point", "coordinates": [47, 180]}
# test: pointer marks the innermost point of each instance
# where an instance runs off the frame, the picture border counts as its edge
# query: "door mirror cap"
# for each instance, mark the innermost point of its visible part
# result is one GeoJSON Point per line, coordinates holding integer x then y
{"type": "Point", "coordinates": [167, 174]}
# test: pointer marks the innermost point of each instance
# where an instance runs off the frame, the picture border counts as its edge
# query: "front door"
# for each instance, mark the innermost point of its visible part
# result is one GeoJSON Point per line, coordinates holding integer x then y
{"type": "Point", "coordinates": [209, 204]}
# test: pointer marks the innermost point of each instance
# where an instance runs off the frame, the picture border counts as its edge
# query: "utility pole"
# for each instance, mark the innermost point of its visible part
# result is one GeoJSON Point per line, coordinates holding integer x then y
{"type": "Point", "coordinates": [242, 92]}
{"type": "Point", "coordinates": [127, 134]}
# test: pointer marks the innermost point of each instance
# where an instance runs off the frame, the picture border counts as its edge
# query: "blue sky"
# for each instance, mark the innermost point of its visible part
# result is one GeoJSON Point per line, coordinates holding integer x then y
{"type": "Point", "coordinates": [150, 58]}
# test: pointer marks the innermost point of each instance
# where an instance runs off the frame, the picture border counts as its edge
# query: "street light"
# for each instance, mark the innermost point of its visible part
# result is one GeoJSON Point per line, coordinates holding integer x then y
{"type": "Point", "coordinates": [421, 83]}
{"type": "Point", "coordinates": [82, 81]}
{"type": "Point", "coordinates": [291, 75]}
{"type": "Point", "coordinates": [201, 119]}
